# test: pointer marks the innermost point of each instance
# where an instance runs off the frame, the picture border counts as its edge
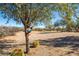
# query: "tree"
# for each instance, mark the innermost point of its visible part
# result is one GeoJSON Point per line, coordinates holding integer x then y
{"type": "Point", "coordinates": [56, 25]}
{"type": "Point", "coordinates": [76, 11]}
{"type": "Point", "coordinates": [49, 26]}
{"type": "Point", "coordinates": [27, 14]}
{"type": "Point", "coordinates": [66, 12]}
{"type": "Point", "coordinates": [63, 24]}
{"type": "Point", "coordinates": [77, 25]}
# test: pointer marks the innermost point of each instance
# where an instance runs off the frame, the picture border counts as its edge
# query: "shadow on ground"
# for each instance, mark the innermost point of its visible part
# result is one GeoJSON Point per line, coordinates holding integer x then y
{"type": "Point", "coordinates": [47, 32]}
{"type": "Point", "coordinates": [71, 41]}
{"type": "Point", "coordinates": [5, 45]}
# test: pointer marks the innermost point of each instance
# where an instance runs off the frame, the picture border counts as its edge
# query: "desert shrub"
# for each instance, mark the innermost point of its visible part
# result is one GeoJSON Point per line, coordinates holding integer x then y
{"type": "Point", "coordinates": [17, 52]}
{"type": "Point", "coordinates": [1, 51]}
{"type": "Point", "coordinates": [8, 31]}
{"type": "Point", "coordinates": [2, 34]}
{"type": "Point", "coordinates": [36, 43]}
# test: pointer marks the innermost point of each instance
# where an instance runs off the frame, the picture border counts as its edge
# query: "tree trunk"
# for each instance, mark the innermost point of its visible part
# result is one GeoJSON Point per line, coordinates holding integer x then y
{"type": "Point", "coordinates": [26, 40]}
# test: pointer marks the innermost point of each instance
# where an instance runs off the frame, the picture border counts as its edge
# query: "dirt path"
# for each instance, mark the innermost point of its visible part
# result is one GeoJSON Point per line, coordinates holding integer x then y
{"type": "Point", "coordinates": [47, 41]}
{"type": "Point", "coordinates": [20, 37]}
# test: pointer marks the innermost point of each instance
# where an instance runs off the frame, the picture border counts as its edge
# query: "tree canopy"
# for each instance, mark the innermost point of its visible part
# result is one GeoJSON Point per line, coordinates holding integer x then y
{"type": "Point", "coordinates": [35, 12]}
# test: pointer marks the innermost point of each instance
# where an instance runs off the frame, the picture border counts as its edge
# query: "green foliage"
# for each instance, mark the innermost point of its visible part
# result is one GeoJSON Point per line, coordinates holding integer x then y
{"type": "Point", "coordinates": [77, 23]}
{"type": "Point", "coordinates": [36, 12]}
{"type": "Point", "coordinates": [17, 52]}
{"type": "Point", "coordinates": [62, 22]}
{"type": "Point", "coordinates": [2, 34]}
{"type": "Point", "coordinates": [56, 24]}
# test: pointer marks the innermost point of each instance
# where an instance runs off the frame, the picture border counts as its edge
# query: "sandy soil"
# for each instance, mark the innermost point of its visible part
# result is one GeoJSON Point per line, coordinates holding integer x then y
{"type": "Point", "coordinates": [51, 43]}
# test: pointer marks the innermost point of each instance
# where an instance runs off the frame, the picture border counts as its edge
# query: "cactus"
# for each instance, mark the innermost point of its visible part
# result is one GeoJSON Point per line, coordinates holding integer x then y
{"type": "Point", "coordinates": [17, 52]}
{"type": "Point", "coordinates": [36, 43]}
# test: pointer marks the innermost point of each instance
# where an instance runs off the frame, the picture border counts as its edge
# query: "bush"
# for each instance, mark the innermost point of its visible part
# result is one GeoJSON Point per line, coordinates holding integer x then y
{"type": "Point", "coordinates": [2, 34]}
{"type": "Point", "coordinates": [8, 31]}
{"type": "Point", "coordinates": [17, 52]}
{"type": "Point", "coordinates": [36, 43]}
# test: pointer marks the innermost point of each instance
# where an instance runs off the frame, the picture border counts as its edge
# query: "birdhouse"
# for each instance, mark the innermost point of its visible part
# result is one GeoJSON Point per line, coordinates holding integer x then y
{"type": "Point", "coordinates": [28, 30]}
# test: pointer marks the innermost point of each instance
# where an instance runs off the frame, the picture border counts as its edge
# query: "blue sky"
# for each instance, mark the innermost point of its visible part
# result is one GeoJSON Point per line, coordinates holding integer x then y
{"type": "Point", "coordinates": [13, 23]}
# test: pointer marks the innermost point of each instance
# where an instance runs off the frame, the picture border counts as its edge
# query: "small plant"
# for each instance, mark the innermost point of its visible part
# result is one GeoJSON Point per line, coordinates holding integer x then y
{"type": "Point", "coordinates": [1, 34]}
{"type": "Point", "coordinates": [1, 51]}
{"type": "Point", "coordinates": [17, 52]}
{"type": "Point", "coordinates": [36, 43]}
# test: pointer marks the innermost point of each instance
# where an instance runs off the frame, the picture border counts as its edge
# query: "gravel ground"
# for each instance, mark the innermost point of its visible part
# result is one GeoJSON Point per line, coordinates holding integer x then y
{"type": "Point", "coordinates": [51, 43]}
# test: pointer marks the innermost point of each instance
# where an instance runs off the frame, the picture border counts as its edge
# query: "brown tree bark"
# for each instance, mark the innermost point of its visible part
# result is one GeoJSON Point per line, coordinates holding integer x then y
{"type": "Point", "coordinates": [26, 39]}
